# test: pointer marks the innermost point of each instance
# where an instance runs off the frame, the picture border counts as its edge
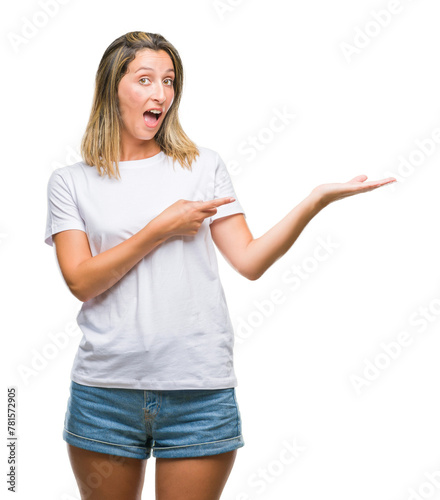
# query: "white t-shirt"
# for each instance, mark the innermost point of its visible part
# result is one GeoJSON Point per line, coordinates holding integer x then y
{"type": "Point", "coordinates": [165, 324]}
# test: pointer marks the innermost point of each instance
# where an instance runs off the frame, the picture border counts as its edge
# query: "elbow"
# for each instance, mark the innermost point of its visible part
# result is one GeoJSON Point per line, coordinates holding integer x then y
{"type": "Point", "coordinates": [249, 269]}
{"type": "Point", "coordinates": [77, 284]}
{"type": "Point", "coordinates": [251, 274]}
{"type": "Point", "coordinates": [78, 292]}
{"type": "Point", "coordinates": [80, 296]}
{"type": "Point", "coordinates": [254, 277]}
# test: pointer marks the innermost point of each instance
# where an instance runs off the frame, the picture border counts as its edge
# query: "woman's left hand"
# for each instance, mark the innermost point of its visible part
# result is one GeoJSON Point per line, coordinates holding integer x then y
{"type": "Point", "coordinates": [329, 193]}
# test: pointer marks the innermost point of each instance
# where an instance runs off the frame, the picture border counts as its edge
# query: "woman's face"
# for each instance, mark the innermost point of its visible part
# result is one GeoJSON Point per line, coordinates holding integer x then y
{"type": "Point", "coordinates": [147, 85]}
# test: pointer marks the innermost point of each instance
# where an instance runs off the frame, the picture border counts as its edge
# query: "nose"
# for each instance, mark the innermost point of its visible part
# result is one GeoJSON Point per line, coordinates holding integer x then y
{"type": "Point", "coordinates": [159, 93]}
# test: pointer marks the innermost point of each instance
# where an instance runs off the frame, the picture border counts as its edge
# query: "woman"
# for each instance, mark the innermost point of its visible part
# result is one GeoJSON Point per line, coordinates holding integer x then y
{"type": "Point", "coordinates": [134, 234]}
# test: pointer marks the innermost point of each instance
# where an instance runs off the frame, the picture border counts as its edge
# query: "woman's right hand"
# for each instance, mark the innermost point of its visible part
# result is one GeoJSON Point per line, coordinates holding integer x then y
{"type": "Point", "coordinates": [184, 217]}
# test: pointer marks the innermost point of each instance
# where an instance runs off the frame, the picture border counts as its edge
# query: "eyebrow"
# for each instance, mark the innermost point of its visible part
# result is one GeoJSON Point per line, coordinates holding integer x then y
{"type": "Point", "coordinates": [151, 69]}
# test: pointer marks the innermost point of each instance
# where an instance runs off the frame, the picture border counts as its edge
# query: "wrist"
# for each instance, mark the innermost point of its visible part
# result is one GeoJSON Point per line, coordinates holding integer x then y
{"type": "Point", "coordinates": [160, 230]}
{"type": "Point", "coordinates": [317, 200]}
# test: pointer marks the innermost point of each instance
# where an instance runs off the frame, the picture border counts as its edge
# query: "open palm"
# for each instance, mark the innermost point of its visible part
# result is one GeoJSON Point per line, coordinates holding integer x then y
{"type": "Point", "coordinates": [337, 190]}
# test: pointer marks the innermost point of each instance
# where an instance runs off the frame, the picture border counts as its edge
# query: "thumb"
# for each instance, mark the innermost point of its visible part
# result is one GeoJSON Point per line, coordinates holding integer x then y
{"type": "Point", "coordinates": [359, 178]}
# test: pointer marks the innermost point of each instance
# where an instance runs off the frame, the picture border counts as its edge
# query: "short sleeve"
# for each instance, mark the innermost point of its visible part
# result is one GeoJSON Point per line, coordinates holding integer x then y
{"type": "Point", "coordinates": [223, 187]}
{"type": "Point", "coordinates": [62, 210]}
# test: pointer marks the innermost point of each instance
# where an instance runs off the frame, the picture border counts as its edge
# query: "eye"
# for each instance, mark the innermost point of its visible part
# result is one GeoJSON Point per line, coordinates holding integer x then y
{"type": "Point", "coordinates": [169, 79]}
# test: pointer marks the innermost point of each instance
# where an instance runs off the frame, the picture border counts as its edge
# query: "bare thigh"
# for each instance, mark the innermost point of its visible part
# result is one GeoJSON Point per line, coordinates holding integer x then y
{"type": "Point", "coordinates": [196, 478]}
{"type": "Point", "coordinates": [107, 477]}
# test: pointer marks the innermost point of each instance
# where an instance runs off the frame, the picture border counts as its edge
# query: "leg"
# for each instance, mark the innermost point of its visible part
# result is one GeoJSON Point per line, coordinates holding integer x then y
{"type": "Point", "coordinates": [195, 478]}
{"type": "Point", "coordinates": [107, 477]}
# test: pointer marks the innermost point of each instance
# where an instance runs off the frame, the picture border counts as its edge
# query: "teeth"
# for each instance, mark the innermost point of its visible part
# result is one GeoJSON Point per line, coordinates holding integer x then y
{"type": "Point", "coordinates": [155, 111]}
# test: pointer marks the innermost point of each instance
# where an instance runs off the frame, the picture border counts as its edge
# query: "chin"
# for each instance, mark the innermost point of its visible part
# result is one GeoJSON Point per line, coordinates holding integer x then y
{"type": "Point", "coordinates": [145, 135]}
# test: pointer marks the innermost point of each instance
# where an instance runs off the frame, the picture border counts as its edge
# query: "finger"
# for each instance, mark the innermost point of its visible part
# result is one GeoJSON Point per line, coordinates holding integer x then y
{"type": "Point", "coordinates": [359, 178]}
{"type": "Point", "coordinates": [388, 180]}
{"type": "Point", "coordinates": [382, 182]}
{"type": "Point", "coordinates": [217, 202]}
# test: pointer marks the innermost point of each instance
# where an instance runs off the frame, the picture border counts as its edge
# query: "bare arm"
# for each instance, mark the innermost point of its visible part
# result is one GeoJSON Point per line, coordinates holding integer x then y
{"type": "Point", "coordinates": [264, 251]}
{"type": "Point", "coordinates": [88, 276]}
{"type": "Point", "coordinates": [251, 257]}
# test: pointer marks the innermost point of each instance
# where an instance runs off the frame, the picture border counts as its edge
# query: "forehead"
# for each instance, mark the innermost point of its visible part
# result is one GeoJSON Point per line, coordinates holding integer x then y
{"type": "Point", "coordinates": [151, 58]}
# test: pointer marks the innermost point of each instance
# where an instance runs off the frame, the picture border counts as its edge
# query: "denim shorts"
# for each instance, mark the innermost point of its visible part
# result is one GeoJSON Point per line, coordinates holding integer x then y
{"type": "Point", "coordinates": [171, 423]}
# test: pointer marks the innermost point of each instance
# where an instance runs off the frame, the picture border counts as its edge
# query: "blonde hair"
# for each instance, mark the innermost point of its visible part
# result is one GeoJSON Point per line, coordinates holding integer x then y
{"type": "Point", "coordinates": [101, 142]}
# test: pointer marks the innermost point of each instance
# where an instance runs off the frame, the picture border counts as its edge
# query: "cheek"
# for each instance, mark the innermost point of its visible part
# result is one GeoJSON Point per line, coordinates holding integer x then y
{"type": "Point", "coordinates": [137, 97]}
{"type": "Point", "coordinates": [134, 98]}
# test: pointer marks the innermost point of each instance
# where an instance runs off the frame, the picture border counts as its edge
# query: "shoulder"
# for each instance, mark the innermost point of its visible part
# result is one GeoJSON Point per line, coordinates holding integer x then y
{"type": "Point", "coordinates": [206, 152]}
{"type": "Point", "coordinates": [67, 175]}
{"type": "Point", "coordinates": [208, 156]}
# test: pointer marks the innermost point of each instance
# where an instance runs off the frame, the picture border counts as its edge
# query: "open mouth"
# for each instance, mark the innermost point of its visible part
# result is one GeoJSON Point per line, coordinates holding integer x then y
{"type": "Point", "coordinates": [151, 118]}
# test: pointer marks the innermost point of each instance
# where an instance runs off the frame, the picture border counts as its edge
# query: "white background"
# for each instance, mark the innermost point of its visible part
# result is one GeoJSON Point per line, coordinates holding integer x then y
{"type": "Point", "coordinates": [245, 61]}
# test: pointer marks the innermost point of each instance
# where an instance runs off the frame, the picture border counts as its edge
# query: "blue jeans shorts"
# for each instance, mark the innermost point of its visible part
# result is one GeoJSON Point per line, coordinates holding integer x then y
{"type": "Point", "coordinates": [171, 423]}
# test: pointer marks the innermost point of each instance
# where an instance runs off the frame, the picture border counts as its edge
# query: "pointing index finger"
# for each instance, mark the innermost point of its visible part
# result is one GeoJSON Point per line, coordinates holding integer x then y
{"type": "Point", "coordinates": [216, 202]}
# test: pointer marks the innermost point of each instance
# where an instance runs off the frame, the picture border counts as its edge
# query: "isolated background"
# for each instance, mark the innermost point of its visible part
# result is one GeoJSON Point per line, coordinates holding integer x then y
{"type": "Point", "coordinates": [245, 61]}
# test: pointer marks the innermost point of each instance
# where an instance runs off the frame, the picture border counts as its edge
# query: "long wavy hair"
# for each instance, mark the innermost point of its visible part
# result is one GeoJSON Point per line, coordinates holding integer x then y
{"type": "Point", "coordinates": [101, 142]}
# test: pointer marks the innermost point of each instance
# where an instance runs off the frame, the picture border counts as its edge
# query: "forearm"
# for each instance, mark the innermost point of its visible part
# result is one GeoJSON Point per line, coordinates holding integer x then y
{"type": "Point", "coordinates": [262, 252]}
{"type": "Point", "coordinates": [97, 274]}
